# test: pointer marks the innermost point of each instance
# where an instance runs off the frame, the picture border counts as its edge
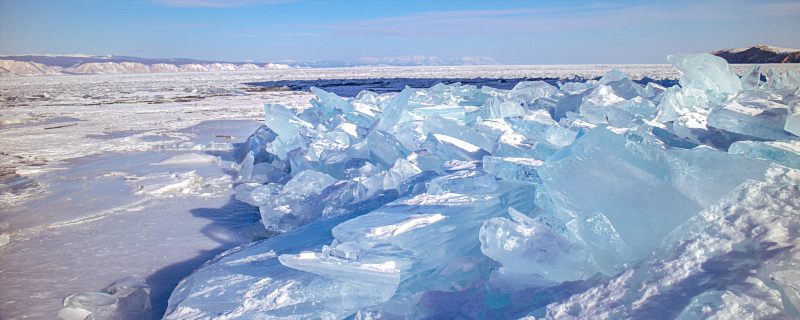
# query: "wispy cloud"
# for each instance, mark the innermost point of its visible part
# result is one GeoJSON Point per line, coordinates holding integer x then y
{"type": "Point", "coordinates": [585, 17]}
{"type": "Point", "coordinates": [472, 21]}
{"type": "Point", "coordinates": [218, 3]}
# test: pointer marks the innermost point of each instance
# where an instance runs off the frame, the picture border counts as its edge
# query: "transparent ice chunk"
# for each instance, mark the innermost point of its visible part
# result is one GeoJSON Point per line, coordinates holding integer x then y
{"type": "Point", "coordinates": [707, 73]}
{"type": "Point", "coordinates": [785, 153]}
{"type": "Point", "coordinates": [507, 168]}
{"type": "Point", "coordinates": [465, 181]}
{"type": "Point", "coordinates": [793, 118]}
{"type": "Point", "coordinates": [534, 248]}
{"type": "Point", "coordinates": [764, 120]}
{"type": "Point", "coordinates": [308, 182]}
{"type": "Point", "coordinates": [527, 91]}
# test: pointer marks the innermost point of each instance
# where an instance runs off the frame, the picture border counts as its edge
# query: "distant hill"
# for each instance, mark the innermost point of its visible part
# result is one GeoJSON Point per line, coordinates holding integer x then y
{"type": "Point", "coordinates": [12, 67]}
{"type": "Point", "coordinates": [760, 54]}
{"type": "Point", "coordinates": [73, 60]}
{"type": "Point", "coordinates": [28, 68]}
{"type": "Point", "coordinates": [38, 64]}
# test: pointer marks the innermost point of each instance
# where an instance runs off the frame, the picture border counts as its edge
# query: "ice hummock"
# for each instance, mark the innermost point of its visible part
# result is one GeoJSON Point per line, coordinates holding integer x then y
{"type": "Point", "coordinates": [598, 199]}
{"type": "Point", "coordinates": [124, 299]}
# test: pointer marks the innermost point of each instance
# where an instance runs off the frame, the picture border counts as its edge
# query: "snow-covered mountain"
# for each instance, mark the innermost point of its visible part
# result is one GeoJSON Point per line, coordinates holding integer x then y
{"type": "Point", "coordinates": [109, 67]}
{"type": "Point", "coordinates": [72, 60]}
{"type": "Point", "coordinates": [11, 67]}
{"type": "Point", "coordinates": [14, 67]}
{"type": "Point", "coordinates": [760, 54]}
{"type": "Point", "coordinates": [137, 67]}
{"type": "Point", "coordinates": [276, 66]}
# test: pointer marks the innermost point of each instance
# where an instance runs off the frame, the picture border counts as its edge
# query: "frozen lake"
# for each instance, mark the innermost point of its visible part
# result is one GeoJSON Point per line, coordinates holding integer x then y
{"type": "Point", "coordinates": [111, 176]}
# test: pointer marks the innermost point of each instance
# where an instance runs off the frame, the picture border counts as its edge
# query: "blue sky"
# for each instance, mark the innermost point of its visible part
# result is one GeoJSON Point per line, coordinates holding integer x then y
{"type": "Point", "coordinates": [511, 32]}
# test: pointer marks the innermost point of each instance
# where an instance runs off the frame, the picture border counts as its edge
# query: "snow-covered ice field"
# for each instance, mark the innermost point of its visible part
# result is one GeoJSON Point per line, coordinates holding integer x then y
{"type": "Point", "coordinates": [105, 177]}
{"type": "Point", "coordinates": [102, 203]}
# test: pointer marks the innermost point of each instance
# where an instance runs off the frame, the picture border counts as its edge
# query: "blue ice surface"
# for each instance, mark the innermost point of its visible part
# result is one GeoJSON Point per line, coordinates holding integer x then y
{"type": "Point", "coordinates": [496, 200]}
{"type": "Point", "coordinates": [351, 87]}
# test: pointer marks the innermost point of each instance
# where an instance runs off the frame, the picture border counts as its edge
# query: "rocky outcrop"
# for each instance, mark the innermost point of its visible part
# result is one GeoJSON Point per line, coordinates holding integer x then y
{"type": "Point", "coordinates": [760, 54]}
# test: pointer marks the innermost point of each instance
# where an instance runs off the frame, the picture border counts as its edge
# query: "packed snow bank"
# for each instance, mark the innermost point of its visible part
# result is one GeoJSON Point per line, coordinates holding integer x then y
{"type": "Point", "coordinates": [601, 199]}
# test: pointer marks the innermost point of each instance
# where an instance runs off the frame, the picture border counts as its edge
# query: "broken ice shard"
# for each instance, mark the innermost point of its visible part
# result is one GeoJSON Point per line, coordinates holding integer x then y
{"type": "Point", "coordinates": [793, 118]}
{"type": "Point", "coordinates": [508, 168]}
{"type": "Point", "coordinates": [765, 120]}
{"type": "Point", "coordinates": [538, 251]}
{"type": "Point", "coordinates": [546, 201]}
{"type": "Point", "coordinates": [402, 247]}
{"type": "Point", "coordinates": [628, 191]}
{"type": "Point", "coordinates": [786, 153]}
{"type": "Point", "coordinates": [292, 206]}
{"type": "Point", "coordinates": [527, 92]}
{"type": "Point", "coordinates": [708, 73]}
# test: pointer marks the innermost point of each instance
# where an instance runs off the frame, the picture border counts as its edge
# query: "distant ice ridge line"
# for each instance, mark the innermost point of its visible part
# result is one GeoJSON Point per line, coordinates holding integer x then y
{"type": "Point", "coordinates": [13, 67]}
{"type": "Point", "coordinates": [597, 199]}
